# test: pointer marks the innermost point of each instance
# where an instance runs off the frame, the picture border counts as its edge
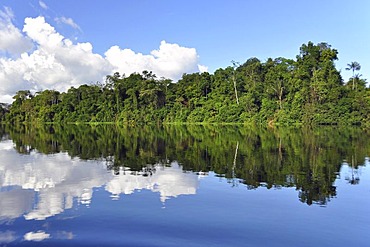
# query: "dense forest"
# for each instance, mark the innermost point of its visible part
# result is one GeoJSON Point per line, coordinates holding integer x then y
{"type": "Point", "coordinates": [307, 159]}
{"type": "Point", "coordinates": [306, 91]}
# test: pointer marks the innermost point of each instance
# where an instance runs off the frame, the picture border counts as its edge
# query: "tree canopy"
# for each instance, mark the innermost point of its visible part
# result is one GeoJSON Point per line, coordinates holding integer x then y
{"type": "Point", "coordinates": [308, 90]}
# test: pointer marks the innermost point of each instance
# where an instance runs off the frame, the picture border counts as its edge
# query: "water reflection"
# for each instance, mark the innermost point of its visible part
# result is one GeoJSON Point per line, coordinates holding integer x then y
{"type": "Point", "coordinates": [59, 183]}
{"type": "Point", "coordinates": [61, 165]}
{"type": "Point", "coordinates": [40, 186]}
{"type": "Point", "coordinates": [7, 237]}
{"type": "Point", "coordinates": [36, 236]}
{"type": "Point", "coordinates": [167, 181]}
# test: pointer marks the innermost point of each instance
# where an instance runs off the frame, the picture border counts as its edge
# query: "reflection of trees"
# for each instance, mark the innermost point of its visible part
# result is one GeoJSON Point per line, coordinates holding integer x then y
{"type": "Point", "coordinates": [2, 132]}
{"type": "Point", "coordinates": [306, 159]}
{"type": "Point", "coordinates": [354, 178]}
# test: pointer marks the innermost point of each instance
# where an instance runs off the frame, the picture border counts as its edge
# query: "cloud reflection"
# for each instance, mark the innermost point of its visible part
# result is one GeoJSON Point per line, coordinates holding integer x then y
{"type": "Point", "coordinates": [39, 186]}
{"type": "Point", "coordinates": [14, 203]}
{"type": "Point", "coordinates": [7, 237]}
{"type": "Point", "coordinates": [64, 235]}
{"type": "Point", "coordinates": [168, 181]}
{"type": "Point", "coordinates": [36, 236]}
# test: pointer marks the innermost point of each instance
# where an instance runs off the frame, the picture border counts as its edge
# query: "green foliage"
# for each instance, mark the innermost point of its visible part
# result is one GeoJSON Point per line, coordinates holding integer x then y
{"type": "Point", "coordinates": [305, 91]}
{"type": "Point", "coordinates": [307, 159]}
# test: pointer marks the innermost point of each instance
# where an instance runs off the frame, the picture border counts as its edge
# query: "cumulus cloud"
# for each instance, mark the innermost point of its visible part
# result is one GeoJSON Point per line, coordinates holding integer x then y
{"type": "Point", "coordinates": [56, 63]}
{"type": "Point", "coordinates": [48, 60]}
{"type": "Point", "coordinates": [202, 68]}
{"type": "Point", "coordinates": [169, 61]}
{"type": "Point", "coordinates": [68, 21]}
{"type": "Point", "coordinates": [12, 40]}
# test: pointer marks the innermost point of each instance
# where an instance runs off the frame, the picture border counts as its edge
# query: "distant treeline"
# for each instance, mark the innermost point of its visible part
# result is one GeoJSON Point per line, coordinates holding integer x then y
{"type": "Point", "coordinates": [306, 91]}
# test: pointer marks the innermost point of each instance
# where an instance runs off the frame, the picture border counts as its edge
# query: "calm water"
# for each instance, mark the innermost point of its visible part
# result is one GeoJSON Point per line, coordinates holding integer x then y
{"type": "Point", "coordinates": [183, 186]}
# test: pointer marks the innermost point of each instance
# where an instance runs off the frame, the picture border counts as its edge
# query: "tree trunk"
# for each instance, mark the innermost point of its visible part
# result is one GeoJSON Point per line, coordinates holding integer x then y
{"type": "Point", "coordinates": [236, 91]}
{"type": "Point", "coordinates": [234, 163]}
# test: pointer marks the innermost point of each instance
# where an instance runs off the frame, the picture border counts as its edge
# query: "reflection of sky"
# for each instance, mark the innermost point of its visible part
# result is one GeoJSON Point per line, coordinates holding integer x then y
{"type": "Point", "coordinates": [168, 181]}
{"type": "Point", "coordinates": [36, 236]}
{"type": "Point", "coordinates": [7, 237]}
{"type": "Point", "coordinates": [39, 186]}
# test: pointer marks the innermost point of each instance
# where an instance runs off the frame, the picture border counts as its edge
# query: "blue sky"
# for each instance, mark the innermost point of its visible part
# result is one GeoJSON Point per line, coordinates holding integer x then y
{"type": "Point", "coordinates": [219, 31]}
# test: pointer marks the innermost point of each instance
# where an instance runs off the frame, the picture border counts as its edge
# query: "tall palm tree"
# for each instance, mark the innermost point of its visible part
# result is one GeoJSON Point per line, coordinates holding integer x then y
{"type": "Point", "coordinates": [354, 66]}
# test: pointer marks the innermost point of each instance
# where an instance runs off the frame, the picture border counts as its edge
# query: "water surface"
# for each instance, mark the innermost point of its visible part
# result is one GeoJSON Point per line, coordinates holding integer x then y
{"type": "Point", "coordinates": [183, 186]}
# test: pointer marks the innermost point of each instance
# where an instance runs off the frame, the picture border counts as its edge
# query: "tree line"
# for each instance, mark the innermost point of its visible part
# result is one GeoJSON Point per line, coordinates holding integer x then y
{"type": "Point", "coordinates": [308, 90]}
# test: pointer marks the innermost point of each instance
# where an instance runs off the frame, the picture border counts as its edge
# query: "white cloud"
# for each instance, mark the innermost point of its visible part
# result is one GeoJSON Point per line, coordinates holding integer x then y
{"type": "Point", "coordinates": [169, 61]}
{"type": "Point", "coordinates": [12, 40]}
{"type": "Point", "coordinates": [58, 63]}
{"type": "Point", "coordinates": [43, 5]}
{"type": "Point", "coordinates": [68, 21]}
{"type": "Point", "coordinates": [41, 32]}
{"type": "Point", "coordinates": [6, 98]}
{"type": "Point", "coordinates": [202, 68]}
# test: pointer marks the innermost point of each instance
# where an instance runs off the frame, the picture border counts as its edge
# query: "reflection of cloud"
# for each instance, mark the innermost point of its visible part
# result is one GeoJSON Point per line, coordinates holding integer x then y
{"type": "Point", "coordinates": [15, 203]}
{"type": "Point", "coordinates": [51, 181]}
{"type": "Point", "coordinates": [40, 186]}
{"type": "Point", "coordinates": [6, 145]}
{"type": "Point", "coordinates": [75, 180]}
{"type": "Point", "coordinates": [7, 237]}
{"type": "Point", "coordinates": [64, 235]}
{"type": "Point", "coordinates": [168, 181]}
{"type": "Point", "coordinates": [36, 236]}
